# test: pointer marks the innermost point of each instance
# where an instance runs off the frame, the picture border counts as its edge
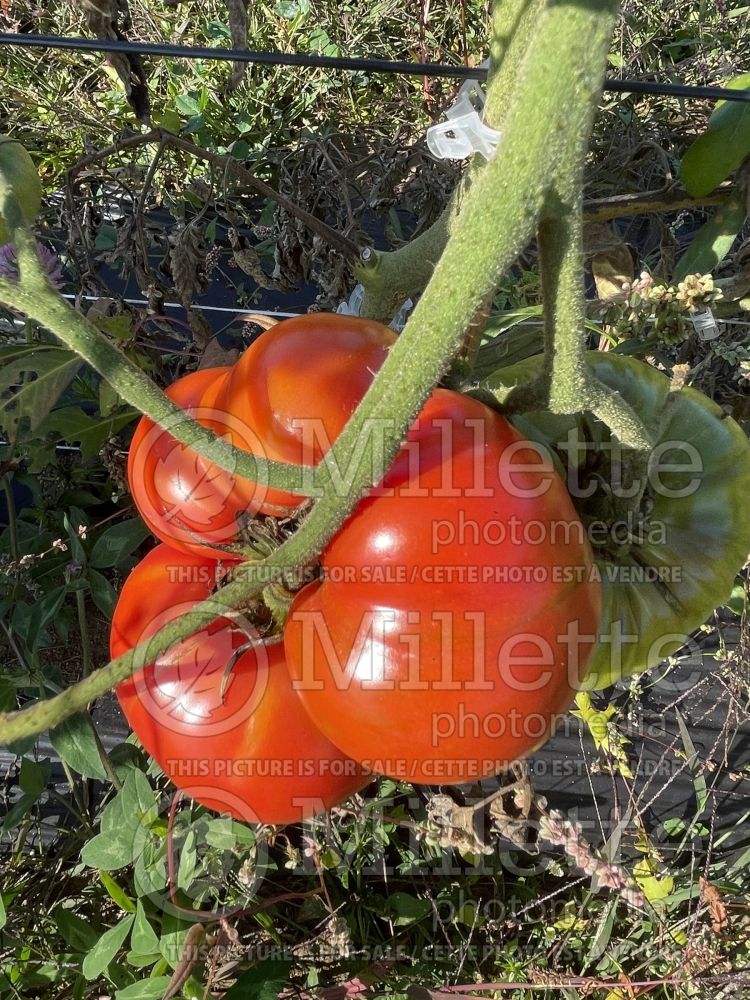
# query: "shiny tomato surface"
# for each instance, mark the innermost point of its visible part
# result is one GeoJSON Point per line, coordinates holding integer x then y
{"type": "Point", "coordinates": [286, 399]}
{"type": "Point", "coordinates": [458, 606]}
{"type": "Point", "coordinates": [217, 711]}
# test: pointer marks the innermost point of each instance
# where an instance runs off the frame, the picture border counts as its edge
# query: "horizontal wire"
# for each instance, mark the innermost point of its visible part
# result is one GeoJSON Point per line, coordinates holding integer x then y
{"type": "Point", "coordinates": [195, 305]}
{"type": "Point", "coordinates": [275, 58]}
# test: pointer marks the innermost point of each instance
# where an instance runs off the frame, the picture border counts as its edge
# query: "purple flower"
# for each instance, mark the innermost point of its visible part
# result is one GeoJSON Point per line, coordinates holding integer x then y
{"type": "Point", "coordinates": [50, 262]}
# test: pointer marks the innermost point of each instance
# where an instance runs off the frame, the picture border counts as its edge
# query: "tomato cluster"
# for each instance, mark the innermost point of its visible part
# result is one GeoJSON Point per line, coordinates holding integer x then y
{"type": "Point", "coordinates": [451, 618]}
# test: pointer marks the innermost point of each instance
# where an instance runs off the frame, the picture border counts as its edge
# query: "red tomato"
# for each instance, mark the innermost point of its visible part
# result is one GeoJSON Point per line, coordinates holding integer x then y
{"type": "Point", "coordinates": [286, 399]}
{"type": "Point", "coordinates": [239, 742]}
{"type": "Point", "coordinates": [458, 606]}
{"type": "Point", "coordinates": [184, 499]}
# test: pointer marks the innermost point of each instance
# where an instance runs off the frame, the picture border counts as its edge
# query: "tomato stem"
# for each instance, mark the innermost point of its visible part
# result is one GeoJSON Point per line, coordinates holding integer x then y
{"type": "Point", "coordinates": [35, 296]}
{"type": "Point", "coordinates": [559, 79]}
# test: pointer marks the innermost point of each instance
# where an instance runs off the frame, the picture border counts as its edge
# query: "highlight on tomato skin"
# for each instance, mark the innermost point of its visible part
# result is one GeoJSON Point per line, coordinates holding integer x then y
{"type": "Point", "coordinates": [464, 645]}
{"type": "Point", "coordinates": [236, 740]}
{"type": "Point", "coordinates": [186, 501]}
{"type": "Point", "coordinates": [286, 399]}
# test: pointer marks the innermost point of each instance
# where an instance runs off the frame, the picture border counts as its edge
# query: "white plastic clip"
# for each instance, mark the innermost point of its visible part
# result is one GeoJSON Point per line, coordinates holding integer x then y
{"type": "Point", "coordinates": [354, 304]}
{"type": "Point", "coordinates": [464, 133]}
{"type": "Point", "coordinates": [704, 324]}
{"type": "Point", "coordinates": [353, 307]}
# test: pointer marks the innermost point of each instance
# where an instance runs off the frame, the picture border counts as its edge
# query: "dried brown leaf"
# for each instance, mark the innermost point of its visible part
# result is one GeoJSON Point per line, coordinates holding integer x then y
{"type": "Point", "coordinates": [216, 356]}
{"type": "Point", "coordinates": [710, 895]}
{"type": "Point", "coordinates": [453, 826]}
{"type": "Point", "coordinates": [102, 19]}
{"type": "Point", "coordinates": [516, 810]}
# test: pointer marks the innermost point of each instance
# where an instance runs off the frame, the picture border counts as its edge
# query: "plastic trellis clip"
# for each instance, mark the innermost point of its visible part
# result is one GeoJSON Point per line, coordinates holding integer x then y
{"type": "Point", "coordinates": [464, 132]}
{"type": "Point", "coordinates": [704, 324]}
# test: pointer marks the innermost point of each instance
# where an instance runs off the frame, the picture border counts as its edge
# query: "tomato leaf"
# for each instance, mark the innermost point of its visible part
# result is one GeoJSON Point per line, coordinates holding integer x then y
{"type": "Point", "coordinates": [722, 147]}
{"type": "Point", "coordinates": [106, 948]}
{"type": "Point", "coordinates": [118, 542]}
{"type": "Point", "coordinates": [32, 379]}
{"type": "Point", "coordinates": [713, 240]}
{"type": "Point", "coordinates": [75, 742]}
{"type": "Point", "coordinates": [72, 424]}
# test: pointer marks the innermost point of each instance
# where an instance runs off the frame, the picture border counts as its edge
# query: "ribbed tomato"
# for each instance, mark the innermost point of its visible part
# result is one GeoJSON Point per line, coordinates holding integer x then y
{"type": "Point", "coordinates": [217, 711]}
{"type": "Point", "coordinates": [456, 613]}
{"type": "Point", "coordinates": [286, 399]}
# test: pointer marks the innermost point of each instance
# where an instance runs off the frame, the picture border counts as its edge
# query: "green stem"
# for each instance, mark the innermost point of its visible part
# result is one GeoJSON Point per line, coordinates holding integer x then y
{"type": "Point", "coordinates": [390, 278]}
{"type": "Point", "coordinates": [10, 504]}
{"type": "Point", "coordinates": [570, 384]}
{"type": "Point", "coordinates": [83, 629]}
{"type": "Point", "coordinates": [557, 91]}
{"type": "Point", "coordinates": [104, 758]}
{"type": "Point", "coordinates": [35, 296]}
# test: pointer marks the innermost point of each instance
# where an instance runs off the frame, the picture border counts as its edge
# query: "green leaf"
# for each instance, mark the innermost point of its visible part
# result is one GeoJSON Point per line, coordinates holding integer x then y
{"type": "Point", "coordinates": [227, 834]}
{"type": "Point", "coordinates": [124, 826]}
{"type": "Point", "coordinates": [34, 775]}
{"type": "Point", "coordinates": [30, 623]}
{"type": "Point", "coordinates": [139, 961]}
{"type": "Point", "coordinates": [407, 909]}
{"type": "Point", "coordinates": [654, 888]}
{"type": "Point", "coordinates": [187, 104]}
{"type": "Point", "coordinates": [108, 398]}
{"type": "Point", "coordinates": [117, 893]}
{"type": "Point", "coordinates": [3, 914]}
{"type": "Point", "coordinates": [118, 542]}
{"type": "Point", "coordinates": [188, 858]}
{"type": "Point", "coordinates": [106, 948]}
{"type": "Point", "coordinates": [287, 9]}
{"type": "Point", "coordinates": [174, 930]}
{"type": "Point", "coordinates": [139, 798]}
{"type": "Point", "coordinates": [75, 742]}
{"type": "Point", "coordinates": [103, 593]}
{"type": "Point", "coordinates": [76, 933]}
{"type": "Point", "coordinates": [32, 379]}
{"type": "Point", "coordinates": [107, 852]}
{"type": "Point", "coordinates": [722, 147]}
{"type": "Point", "coordinates": [17, 811]}
{"type": "Point", "coordinates": [143, 939]}
{"type": "Point", "coordinates": [8, 694]}
{"type": "Point", "coordinates": [713, 240]}
{"type": "Point", "coordinates": [75, 547]}
{"type": "Point", "coordinates": [263, 982]}
{"type": "Point", "coordinates": [145, 989]}
{"type": "Point", "coordinates": [694, 765]}
{"type": "Point", "coordinates": [125, 757]}
{"type": "Point", "coordinates": [90, 433]}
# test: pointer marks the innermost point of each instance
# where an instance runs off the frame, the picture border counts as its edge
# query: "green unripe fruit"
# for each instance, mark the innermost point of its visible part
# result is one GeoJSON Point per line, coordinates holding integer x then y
{"type": "Point", "coordinates": [19, 177]}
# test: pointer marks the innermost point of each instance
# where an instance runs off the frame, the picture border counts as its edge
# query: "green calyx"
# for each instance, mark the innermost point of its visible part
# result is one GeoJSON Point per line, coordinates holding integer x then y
{"type": "Point", "coordinates": [665, 531]}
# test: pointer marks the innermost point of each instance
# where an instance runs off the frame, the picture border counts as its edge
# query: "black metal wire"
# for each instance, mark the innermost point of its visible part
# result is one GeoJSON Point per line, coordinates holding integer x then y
{"type": "Point", "coordinates": [274, 58]}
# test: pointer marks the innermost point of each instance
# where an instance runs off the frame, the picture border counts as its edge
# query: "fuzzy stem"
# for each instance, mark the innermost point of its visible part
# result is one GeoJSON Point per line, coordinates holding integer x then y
{"type": "Point", "coordinates": [557, 91]}
{"type": "Point", "coordinates": [35, 296]}
{"type": "Point", "coordinates": [572, 387]}
{"type": "Point", "coordinates": [390, 278]}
